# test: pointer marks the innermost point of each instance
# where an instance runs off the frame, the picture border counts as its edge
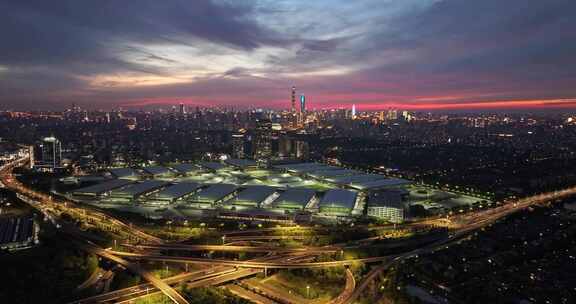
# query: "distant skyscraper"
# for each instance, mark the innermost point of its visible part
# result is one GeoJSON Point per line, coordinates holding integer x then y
{"type": "Point", "coordinates": [238, 150]}
{"type": "Point", "coordinates": [285, 147]}
{"type": "Point", "coordinates": [32, 157]}
{"type": "Point", "coordinates": [302, 150]}
{"type": "Point", "coordinates": [182, 109]}
{"type": "Point", "coordinates": [51, 153]}
{"type": "Point", "coordinates": [302, 104]}
{"type": "Point", "coordinates": [393, 114]}
{"type": "Point", "coordinates": [353, 110]}
{"type": "Point", "coordinates": [293, 109]}
{"type": "Point", "coordinates": [407, 116]}
{"type": "Point", "coordinates": [292, 148]}
{"type": "Point", "coordinates": [263, 142]}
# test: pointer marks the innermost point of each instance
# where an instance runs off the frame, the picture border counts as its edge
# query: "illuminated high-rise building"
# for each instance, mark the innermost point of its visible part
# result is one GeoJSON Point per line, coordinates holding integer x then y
{"type": "Point", "coordinates": [51, 157]}
{"type": "Point", "coordinates": [353, 111]}
{"type": "Point", "coordinates": [302, 150]}
{"type": "Point", "coordinates": [392, 114]}
{"type": "Point", "coordinates": [293, 148]}
{"type": "Point", "coordinates": [302, 104]}
{"type": "Point", "coordinates": [182, 109]}
{"type": "Point", "coordinates": [263, 142]}
{"type": "Point", "coordinates": [238, 143]}
{"type": "Point", "coordinates": [32, 156]}
{"type": "Point", "coordinates": [407, 116]}
{"type": "Point", "coordinates": [285, 147]}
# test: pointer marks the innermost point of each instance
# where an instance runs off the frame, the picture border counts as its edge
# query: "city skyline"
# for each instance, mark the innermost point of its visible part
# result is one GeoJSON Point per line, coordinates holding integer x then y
{"type": "Point", "coordinates": [415, 55]}
{"type": "Point", "coordinates": [287, 151]}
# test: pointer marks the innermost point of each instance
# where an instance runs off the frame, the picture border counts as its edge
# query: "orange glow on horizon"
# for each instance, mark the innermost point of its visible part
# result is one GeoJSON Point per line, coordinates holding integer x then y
{"type": "Point", "coordinates": [279, 104]}
{"type": "Point", "coordinates": [497, 104]}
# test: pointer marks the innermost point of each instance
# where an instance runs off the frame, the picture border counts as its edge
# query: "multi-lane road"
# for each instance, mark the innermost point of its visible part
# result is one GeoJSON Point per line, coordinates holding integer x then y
{"type": "Point", "coordinates": [245, 264]}
{"type": "Point", "coordinates": [54, 206]}
{"type": "Point", "coordinates": [211, 276]}
{"type": "Point", "coordinates": [233, 248]}
{"type": "Point", "coordinates": [143, 290]}
{"type": "Point", "coordinates": [231, 269]}
{"type": "Point", "coordinates": [158, 283]}
{"type": "Point", "coordinates": [467, 224]}
{"type": "Point", "coordinates": [348, 288]}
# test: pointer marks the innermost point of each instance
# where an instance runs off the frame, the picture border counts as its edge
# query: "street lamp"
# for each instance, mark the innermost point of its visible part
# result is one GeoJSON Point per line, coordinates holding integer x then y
{"type": "Point", "coordinates": [308, 291]}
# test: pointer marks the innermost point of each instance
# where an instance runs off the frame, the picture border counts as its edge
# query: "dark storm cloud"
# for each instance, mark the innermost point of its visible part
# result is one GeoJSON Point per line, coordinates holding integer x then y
{"type": "Point", "coordinates": [478, 32]}
{"type": "Point", "coordinates": [519, 48]}
{"type": "Point", "coordinates": [39, 31]}
{"type": "Point", "coordinates": [461, 51]}
{"type": "Point", "coordinates": [490, 36]}
{"type": "Point", "coordinates": [57, 42]}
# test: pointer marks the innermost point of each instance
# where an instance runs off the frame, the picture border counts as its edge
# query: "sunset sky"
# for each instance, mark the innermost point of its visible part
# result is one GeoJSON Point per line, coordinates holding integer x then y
{"type": "Point", "coordinates": [410, 54]}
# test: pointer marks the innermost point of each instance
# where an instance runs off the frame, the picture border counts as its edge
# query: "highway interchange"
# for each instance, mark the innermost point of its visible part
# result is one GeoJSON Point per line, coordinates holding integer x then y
{"type": "Point", "coordinates": [224, 270]}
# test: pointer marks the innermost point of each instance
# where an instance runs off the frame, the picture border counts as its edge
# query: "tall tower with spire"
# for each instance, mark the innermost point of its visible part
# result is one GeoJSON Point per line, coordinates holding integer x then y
{"type": "Point", "coordinates": [293, 109]}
